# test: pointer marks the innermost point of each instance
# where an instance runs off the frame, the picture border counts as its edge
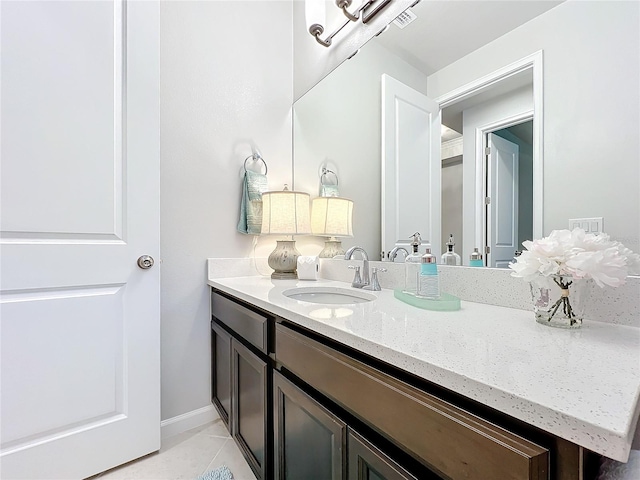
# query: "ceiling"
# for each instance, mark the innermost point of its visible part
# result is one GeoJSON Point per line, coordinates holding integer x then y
{"type": "Point", "coordinates": [447, 30]}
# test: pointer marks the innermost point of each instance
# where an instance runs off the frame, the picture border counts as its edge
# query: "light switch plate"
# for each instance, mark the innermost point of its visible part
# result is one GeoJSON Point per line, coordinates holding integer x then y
{"type": "Point", "coordinates": [589, 225]}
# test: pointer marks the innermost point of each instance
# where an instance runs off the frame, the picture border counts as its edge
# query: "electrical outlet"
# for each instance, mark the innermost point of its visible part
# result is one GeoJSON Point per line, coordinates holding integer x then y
{"type": "Point", "coordinates": [589, 225]}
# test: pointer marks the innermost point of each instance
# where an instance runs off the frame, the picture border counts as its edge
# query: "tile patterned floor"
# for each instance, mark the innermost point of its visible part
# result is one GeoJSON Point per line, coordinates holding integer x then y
{"type": "Point", "coordinates": [186, 456]}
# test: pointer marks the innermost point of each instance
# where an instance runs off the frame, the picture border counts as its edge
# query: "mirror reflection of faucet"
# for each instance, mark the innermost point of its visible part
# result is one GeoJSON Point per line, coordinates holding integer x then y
{"type": "Point", "coordinates": [394, 253]}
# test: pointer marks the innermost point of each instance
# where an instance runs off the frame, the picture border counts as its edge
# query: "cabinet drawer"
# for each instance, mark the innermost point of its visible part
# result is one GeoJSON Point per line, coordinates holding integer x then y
{"type": "Point", "coordinates": [452, 441]}
{"type": "Point", "coordinates": [248, 324]}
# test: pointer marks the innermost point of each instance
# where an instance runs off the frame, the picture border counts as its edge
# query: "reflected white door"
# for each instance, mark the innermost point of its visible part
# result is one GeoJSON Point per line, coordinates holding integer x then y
{"type": "Point", "coordinates": [502, 211]}
{"type": "Point", "coordinates": [411, 130]}
{"type": "Point", "coordinates": [80, 336]}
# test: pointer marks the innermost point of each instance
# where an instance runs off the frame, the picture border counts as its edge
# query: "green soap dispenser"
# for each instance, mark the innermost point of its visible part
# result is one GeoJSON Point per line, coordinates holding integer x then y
{"type": "Point", "coordinates": [428, 281]}
{"type": "Point", "coordinates": [475, 259]}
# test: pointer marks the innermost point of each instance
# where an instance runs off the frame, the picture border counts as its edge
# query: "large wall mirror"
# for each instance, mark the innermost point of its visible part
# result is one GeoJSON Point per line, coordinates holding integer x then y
{"type": "Point", "coordinates": [484, 120]}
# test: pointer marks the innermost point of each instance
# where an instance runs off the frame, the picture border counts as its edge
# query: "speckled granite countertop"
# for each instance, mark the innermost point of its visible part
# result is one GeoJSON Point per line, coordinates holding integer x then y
{"type": "Point", "coordinates": [581, 385]}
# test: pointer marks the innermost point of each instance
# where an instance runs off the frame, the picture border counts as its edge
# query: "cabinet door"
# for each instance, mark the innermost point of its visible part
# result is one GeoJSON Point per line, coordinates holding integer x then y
{"type": "Point", "coordinates": [249, 407]}
{"type": "Point", "coordinates": [309, 440]}
{"type": "Point", "coordinates": [221, 372]}
{"type": "Point", "coordinates": [366, 462]}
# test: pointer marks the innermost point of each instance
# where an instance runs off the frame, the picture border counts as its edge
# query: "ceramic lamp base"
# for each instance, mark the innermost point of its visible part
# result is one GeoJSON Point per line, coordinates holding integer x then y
{"type": "Point", "coordinates": [331, 248]}
{"type": "Point", "coordinates": [284, 260]}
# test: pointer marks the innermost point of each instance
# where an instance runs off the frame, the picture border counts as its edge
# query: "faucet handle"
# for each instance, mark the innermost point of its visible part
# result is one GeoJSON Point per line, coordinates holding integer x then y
{"type": "Point", "coordinates": [375, 284]}
{"type": "Point", "coordinates": [357, 280]}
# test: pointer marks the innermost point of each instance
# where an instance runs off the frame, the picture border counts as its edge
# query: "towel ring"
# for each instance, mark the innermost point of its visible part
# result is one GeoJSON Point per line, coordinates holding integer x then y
{"type": "Point", "coordinates": [325, 171]}
{"type": "Point", "coordinates": [256, 157]}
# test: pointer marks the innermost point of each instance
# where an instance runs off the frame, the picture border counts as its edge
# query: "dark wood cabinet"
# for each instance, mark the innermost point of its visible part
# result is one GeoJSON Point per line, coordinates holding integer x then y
{"type": "Point", "coordinates": [309, 440]}
{"type": "Point", "coordinates": [250, 419]}
{"type": "Point", "coordinates": [444, 437]}
{"type": "Point", "coordinates": [221, 372]}
{"type": "Point", "coordinates": [303, 407]}
{"type": "Point", "coordinates": [367, 462]}
{"type": "Point", "coordinates": [241, 378]}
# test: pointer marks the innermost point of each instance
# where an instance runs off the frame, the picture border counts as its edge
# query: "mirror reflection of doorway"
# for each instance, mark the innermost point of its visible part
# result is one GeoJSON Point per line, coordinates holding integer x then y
{"type": "Point", "coordinates": [508, 182]}
{"type": "Point", "coordinates": [509, 192]}
{"type": "Point", "coordinates": [454, 200]}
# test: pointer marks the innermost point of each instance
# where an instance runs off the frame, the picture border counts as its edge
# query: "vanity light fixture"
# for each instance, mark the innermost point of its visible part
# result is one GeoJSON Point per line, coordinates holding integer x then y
{"type": "Point", "coordinates": [285, 213]}
{"type": "Point", "coordinates": [332, 217]}
{"type": "Point", "coordinates": [367, 11]}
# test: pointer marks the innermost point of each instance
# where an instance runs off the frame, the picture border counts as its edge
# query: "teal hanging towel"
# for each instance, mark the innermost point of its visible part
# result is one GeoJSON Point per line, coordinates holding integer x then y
{"type": "Point", "coordinates": [253, 186]}
{"type": "Point", "coordinates": [327, 189]}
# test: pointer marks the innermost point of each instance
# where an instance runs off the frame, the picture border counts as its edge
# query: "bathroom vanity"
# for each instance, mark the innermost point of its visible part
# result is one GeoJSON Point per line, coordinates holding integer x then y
{"type": "Point", "coordinates": [381, 389]}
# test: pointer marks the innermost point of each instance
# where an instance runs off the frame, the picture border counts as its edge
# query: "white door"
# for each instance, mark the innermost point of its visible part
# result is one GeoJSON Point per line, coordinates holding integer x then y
{"type": "Point", "coordinates": [502, 211]}
{"type": "Point", "coordinates": [80, 336]}
{"type": "Point", "coordinates": [410, 158]}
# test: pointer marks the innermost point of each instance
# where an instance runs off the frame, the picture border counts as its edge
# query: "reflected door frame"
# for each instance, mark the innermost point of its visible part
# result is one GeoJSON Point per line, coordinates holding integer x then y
{"type": "Point", "coordinates": [481, 134]}
{"type": "Point", "coordinates": [502, 243]}
{"type": "Point", "coordinates": [534, 62]}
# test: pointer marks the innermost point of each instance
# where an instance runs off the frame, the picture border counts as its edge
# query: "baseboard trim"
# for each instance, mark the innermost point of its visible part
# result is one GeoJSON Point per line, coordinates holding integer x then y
{"type": "Point", "coordinates": [187, 421]}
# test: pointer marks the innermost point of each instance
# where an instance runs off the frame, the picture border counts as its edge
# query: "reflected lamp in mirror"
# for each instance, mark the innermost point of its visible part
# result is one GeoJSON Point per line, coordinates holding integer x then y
{"type": "Point", "coordinates": [332, 217]}
{"type": "Point", "coordinates": [285, 213]}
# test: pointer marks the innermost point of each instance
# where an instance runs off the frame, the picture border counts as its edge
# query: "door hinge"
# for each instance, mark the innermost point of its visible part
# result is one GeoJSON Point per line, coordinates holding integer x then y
{"type": "Point", "coordinates": [487, 200]}
{"type": "Point", "coordinates": [487, 250]}
{"type": "Point", "coordinates": [487, 151]}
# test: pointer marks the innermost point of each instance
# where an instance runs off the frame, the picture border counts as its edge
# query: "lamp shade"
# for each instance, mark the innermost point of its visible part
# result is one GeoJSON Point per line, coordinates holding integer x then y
{"type": "Point", "coordinates": [332, 217]}
{"type": "Point", "coordinates": [285, 213]}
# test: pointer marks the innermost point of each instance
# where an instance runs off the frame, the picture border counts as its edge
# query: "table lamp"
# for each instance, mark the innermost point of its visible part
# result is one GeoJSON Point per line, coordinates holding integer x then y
{"type": "Point", "coordinates": [285, 213]}
{"type": "Point", "coordinates": [332, 217]}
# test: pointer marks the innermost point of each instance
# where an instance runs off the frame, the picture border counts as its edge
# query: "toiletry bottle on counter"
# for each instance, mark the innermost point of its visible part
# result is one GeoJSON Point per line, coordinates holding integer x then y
{"type": "Point", "coordinates": [450, 257]}
{"type": "Point", "coordinates": [428, 282]}
{"type": "Point", "coordinates": [412, 267]}
{"type": "Point", "coordinates": [475, 259]}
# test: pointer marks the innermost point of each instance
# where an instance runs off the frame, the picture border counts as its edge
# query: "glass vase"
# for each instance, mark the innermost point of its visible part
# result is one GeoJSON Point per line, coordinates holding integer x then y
{"type": "Point", "coordinates": [559, 300]}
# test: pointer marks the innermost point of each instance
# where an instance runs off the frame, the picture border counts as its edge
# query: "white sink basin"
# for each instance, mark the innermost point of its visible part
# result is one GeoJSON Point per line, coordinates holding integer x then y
{"type": "Point", "coordinates": [329, 295]}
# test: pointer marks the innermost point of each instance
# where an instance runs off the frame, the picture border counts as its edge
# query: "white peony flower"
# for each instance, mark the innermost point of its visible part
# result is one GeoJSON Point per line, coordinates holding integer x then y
{"type": "Point", "coordinates": [633, 259]}
{"type": "Point", "coordinates": [576, 253]}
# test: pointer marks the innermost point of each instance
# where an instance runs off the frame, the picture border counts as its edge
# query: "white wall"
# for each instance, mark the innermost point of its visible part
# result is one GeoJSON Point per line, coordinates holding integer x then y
{"type": "Point", "coordinates": [226, 84]}
{"type": "Point", "coordinates": [591, 114]}
{"type": "Point", "coordinates": [338, 123]}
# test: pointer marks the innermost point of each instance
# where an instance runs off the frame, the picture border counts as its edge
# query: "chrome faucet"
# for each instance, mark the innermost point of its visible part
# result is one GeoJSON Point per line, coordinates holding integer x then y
{"type": "Point", "coordinates": [359, 283]}
{"type": "Point", "coordinates": [375, 284]}
{"type": "Point", "coordinates": [394, 252]}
